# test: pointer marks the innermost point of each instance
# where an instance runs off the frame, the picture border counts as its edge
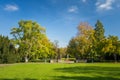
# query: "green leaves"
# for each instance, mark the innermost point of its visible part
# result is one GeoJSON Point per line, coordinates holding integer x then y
{"type": "Point", "coordinates": [32, 39]}
{"type": "Point", "coordinates": [7, 51]}
{"type": "Point", "coordinates": [92, 43]}
{"type": "Point", "coordinates": [81, 45]}
{"type": "Point", "coordinates": [99, 31]}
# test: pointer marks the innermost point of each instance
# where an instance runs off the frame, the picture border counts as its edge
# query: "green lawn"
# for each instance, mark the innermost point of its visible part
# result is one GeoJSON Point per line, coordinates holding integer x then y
{"type": "Point", "coordinates": [45, 71]}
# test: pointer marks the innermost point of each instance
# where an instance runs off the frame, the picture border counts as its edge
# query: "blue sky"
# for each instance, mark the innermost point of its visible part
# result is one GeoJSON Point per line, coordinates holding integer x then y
{"type": "Point", "coordinates": [60, 17]}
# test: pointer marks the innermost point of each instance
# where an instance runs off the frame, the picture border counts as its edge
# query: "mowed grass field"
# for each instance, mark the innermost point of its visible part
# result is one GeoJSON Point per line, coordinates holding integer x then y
{"type": "Point", "coordinates": [46, 71]}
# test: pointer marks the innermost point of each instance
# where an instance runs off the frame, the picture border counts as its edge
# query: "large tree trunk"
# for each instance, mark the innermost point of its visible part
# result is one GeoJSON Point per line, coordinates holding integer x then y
{"type": "Point", "coordinates": [92, 59]}
{"type": "Point", "coordinates": [45, 60]}
{"type": "Point", "coordinates": [77, 58]}
{"type": "Point", "coordinates": [26, 59]}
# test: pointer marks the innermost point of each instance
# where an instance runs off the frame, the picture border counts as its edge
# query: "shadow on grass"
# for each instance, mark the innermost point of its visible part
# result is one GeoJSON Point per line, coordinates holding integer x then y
{"type": "Point", "coordinates": [84, 78]}
{"type": "Point", "coordinates": [17, 79]}
{"type": "Point", "coordinates": [96, 73]}
{"type": "Point", "coordinates": [114, 71]}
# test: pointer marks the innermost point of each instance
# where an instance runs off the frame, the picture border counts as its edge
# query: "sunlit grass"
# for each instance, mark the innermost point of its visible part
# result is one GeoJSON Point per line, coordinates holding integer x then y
{"type": "Point", "coordinates": [46, 71]}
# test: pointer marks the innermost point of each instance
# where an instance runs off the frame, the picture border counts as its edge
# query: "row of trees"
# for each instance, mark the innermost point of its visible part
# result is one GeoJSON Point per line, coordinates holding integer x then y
{"type": "Point", "coordinates": [91, 44]}
{"type": "Point", "coordinates": [30, 43]}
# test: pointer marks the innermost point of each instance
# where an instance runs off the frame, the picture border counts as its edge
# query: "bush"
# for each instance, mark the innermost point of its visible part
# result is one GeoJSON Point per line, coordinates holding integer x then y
{"type": "Point", "coordinates": [11, 58]}
{"type": "Point", "coordinates": [39, 60]}
{"type": "Point", "coordinates": [69, 59]}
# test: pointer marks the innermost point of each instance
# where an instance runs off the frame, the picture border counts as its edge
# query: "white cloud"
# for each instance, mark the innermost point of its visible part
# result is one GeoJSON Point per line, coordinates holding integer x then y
{"type": "Point", "coordinates": [73, 9]}
{"type": "Point", "coordinates": [10, 7]}
{"type": "Point", "coordinates": [106, 5]}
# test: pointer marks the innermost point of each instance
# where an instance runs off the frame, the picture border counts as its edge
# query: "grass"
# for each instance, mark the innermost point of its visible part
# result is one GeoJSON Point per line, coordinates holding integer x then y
{"type": "Point", "coordinates": [46, 71]}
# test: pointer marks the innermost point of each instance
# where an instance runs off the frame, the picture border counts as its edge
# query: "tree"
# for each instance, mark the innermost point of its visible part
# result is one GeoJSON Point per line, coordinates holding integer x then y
{"type": "Point", "coordinates": [99, 37]}
{"type": "Point", "coordinates": [82, 44]}
{"type": "Point", "coordinates": [86, 38]}
{"type": "Point", "coordinates": [31, 38]}
{"type": "Point", "coordinates": [7, 51]}
{"type": "Point", "coordinates": [112, 46]}
{"type": "Point", "coordinates": [72, 49]}
{"type": "Point", "coordinates": [57, 53]}
{"type": "Point", "coordinates": [63, 52]}
{"type": "Point", "coordinates": [99, 31]}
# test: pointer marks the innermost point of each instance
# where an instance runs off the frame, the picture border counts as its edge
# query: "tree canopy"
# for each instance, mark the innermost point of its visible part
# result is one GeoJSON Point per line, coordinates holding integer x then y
{"type": "Point", "coordinates": [32, 40]}
{"type": "Point", "coordinates": [91, 43]}
{"type": "Point", "coordinates": [30, 43]}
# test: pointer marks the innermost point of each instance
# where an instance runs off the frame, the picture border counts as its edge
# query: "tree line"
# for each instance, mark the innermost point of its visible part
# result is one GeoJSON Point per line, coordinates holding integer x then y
{"type": "Point", "coordinates": [30, 43]}
{"type": "Point", "coordinates": [92, 45]}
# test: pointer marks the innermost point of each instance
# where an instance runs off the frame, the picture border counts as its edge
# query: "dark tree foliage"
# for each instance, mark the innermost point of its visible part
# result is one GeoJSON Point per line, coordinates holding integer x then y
{"type": "Point", "coordinates": [7, 51]}
{"type": "Point", "coordinates": [99, 36]}
{"type": "Point", "coordinates": [99, 31]}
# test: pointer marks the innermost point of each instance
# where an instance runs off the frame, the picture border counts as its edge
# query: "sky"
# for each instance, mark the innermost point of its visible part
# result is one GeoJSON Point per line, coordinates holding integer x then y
{"type": "Point", "coordinates": [60, 17]}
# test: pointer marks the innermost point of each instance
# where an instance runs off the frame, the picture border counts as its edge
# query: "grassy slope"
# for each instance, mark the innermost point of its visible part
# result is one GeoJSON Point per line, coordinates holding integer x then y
{"type": "Point", "coordinates": [41, 71]}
